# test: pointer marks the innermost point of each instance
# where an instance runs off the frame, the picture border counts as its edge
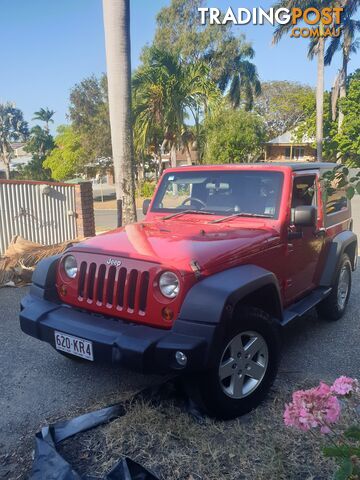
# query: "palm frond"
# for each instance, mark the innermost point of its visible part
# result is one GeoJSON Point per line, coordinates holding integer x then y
{"type": "Point", "coordinates": [224, 80]}
{"type": "Point", "coordinates": [355, 46]}
{"type": "Point", "coordinates": [248, 70]}
{"type": "Point", "coordinates": [45, 115]}
{"type": "Point", "coordinates": [281, 30]}
{"type": "Point", "coordinates": [350, 7]}
{"type": "Point", "coordinates": [313, 48]}
{"type": "Point", "coordinates": [334, 46]}
{"type": "Point", "coordinates": [257, 87]}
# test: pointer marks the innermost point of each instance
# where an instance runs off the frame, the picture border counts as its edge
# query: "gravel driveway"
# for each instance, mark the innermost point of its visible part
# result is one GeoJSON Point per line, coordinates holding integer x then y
{"type": "Point", "coordinates": [37, 384]}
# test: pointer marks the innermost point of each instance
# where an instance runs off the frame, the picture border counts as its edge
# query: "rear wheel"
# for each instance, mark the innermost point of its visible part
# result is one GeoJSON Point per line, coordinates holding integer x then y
{"type": "Point", "coordinates": [245, 367]}
{"type": "Point", "coordinates": [334, 306]}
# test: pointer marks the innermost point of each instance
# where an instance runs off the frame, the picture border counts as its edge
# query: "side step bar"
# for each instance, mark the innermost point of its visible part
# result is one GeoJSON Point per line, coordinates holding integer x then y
{"type": "Point", "coordinates": [304, 305]}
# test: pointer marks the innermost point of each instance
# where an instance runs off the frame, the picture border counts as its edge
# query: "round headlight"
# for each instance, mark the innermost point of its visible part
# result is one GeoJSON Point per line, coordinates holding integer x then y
{"type": "Point", "coordinates": [169, 284]}
{"type": "Point", "coordinates": [70, 266]}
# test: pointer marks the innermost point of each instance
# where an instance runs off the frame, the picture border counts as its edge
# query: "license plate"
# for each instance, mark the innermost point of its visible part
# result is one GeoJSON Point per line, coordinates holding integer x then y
{"type": "Point", "coordinates": [74, 345]}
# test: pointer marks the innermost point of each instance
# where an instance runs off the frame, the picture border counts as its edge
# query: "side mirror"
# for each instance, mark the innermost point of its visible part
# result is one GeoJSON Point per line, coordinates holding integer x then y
{"type": "Point", "coordinates": [146, 205]}
{"type": "Point", "coordinates": [304, 216]}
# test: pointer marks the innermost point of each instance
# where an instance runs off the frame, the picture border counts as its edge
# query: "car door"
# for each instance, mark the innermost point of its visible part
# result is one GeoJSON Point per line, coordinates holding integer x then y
{"type": "Point", "coordinates": [306, 244]}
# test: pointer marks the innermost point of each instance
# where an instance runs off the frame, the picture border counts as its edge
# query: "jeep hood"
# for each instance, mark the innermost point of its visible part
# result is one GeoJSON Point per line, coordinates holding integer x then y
{"type": "Point", "coordinates": [177, 244]}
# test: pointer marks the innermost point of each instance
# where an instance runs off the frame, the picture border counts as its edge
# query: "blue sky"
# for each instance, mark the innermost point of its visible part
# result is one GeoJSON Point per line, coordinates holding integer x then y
{"type": "Point", "coordinates": [48, 46]}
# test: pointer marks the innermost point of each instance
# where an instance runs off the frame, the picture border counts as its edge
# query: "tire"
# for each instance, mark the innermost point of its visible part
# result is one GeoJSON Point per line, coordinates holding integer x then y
{"type": "Point", "coordinates": [225, 397]}
{"type": "Point", "coordinates": [334, 306]}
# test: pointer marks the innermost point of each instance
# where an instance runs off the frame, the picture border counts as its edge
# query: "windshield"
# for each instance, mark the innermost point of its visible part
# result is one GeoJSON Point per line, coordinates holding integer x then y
{"type": "Point", "coordinates": [220, 192]}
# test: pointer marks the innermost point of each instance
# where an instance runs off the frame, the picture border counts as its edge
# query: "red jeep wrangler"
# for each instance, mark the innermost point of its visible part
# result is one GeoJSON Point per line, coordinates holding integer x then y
{"type": "Point", "coordinates": [226, 256]}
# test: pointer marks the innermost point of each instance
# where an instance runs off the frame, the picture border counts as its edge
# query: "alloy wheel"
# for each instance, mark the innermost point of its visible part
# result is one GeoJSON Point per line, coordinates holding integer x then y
{"type": "Point", "coordinates": [243, 364]}
{"type": "Point", "coordinates": [343, 287]}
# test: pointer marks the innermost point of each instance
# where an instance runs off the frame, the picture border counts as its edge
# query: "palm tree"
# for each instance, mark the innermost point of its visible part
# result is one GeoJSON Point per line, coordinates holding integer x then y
{"type": "Point", "coordinates": [241, 77]}
{"type": "Point", "coordinates": [13, 128]}
{"type": "Point", "coordinates": [45, 115]}
{"type": "Point", "coordinates": [117, 41]}
{"type": "Point", "coordinates": [349, 44]}
{"type": "Point", "coordinates": [166, 89]}
{"type": "Point", "coordinates": [316, 48]}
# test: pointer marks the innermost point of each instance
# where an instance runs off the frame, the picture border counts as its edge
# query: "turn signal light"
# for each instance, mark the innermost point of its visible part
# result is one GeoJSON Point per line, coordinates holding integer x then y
{"type": "Point", "coordinates": [63, 290]}
{"type": "Point", "coordinates": [167, 314]}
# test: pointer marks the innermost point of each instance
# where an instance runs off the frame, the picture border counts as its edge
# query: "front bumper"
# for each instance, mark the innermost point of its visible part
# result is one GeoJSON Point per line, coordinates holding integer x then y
{"type": "Point", "coordinates": [138, 347]}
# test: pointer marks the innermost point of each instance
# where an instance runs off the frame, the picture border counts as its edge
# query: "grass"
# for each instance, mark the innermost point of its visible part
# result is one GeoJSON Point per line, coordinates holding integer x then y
{"type": "Point", "coordinates": [163, 437]}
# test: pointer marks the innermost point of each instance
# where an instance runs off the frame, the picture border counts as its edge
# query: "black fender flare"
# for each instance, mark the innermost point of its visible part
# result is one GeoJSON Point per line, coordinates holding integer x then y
{"type": "Point", "coordinates": [336, 249]}
{"type": "Point", "coordinates": [211, 302]}
{"type": "Point", "coordinates": [44, 277]}
{"type": "Point", "coordinates": [207, 300]}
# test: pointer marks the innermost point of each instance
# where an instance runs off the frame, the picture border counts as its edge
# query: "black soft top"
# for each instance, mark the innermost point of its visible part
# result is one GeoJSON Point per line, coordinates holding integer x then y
{"type": "Point", "coordinates": [297, 166]}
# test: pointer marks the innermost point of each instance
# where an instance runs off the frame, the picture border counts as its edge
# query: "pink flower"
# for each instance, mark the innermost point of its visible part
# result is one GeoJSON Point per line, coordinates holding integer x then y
{"type": "Point", "coordinates": [345, 386]}
{"type": "Point", "coordinates": [312, 408]}
{"type": "Point", "coordinates": [323, 388]}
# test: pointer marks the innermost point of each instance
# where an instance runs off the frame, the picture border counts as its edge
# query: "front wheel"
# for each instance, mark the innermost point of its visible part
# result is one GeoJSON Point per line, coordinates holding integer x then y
{"type": "Point", "coordinates": [245, 367]}
{"type": "Point", "coordinates": [334, 306]}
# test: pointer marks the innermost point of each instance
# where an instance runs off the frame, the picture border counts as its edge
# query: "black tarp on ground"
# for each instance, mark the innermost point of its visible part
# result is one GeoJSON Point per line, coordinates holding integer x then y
{"type": "Point", "coordinates": [50, 465]}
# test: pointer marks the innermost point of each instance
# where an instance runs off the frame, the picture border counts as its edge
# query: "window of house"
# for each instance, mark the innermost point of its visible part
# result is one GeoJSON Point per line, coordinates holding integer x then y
{"type": "Point", "coordinates": [298, 153]}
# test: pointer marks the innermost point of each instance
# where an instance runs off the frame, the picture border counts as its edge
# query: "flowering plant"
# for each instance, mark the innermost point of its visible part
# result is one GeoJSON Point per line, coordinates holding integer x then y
{"type": "Point", "coordinates": [318, 411]}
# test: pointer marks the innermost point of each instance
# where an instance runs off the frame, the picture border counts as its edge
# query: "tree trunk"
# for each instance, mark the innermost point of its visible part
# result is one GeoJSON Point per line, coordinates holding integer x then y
{"type": "Point", "coordinates": [7, 170]}
{"type": "Point", "coordinates": [141, 171]}
{"type": "Point", "coordinates": [342, 89]}
{"type": "Point", "coordinates": [173, 155]}
{"type": "Point", "coordinates": [173, 165]}
{"type": "Point", "coordinates": [320, 100]}
{"type": "Point", "coordinates": [197, 140]}
{"type": "Point", "coordinates": [6, 160]}
{"type": "Point", "coordinates": [160, 166]}
{"type": "Point", "coordinates": [188, 154]}
{"type": "Point", "coordinates": [117, 41]}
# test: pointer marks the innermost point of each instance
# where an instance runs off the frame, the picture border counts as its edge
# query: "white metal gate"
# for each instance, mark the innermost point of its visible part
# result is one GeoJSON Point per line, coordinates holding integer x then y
{"type": "Point", "coordinates": [40, 212]}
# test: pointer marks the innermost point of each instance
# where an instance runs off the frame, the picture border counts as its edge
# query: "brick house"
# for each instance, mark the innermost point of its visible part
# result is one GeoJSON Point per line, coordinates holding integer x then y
{"type": "Point", "coordinates": [285, 148]}
{"type": "Point", "coordinates": [181, 158]}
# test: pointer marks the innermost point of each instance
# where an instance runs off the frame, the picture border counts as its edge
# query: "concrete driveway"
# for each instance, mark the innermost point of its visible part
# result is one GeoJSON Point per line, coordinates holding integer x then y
{"type": "Point", "coordinates": [37, 384]}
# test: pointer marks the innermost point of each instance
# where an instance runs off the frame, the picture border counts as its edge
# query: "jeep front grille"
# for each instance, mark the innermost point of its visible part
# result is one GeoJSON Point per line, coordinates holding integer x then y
{"type": "Point", "coordinates": [113, 287]}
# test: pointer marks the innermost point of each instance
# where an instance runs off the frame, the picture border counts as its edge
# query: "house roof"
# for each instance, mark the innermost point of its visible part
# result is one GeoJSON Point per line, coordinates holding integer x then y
{"type": "Point", "coordinates": [287, 138]}
{"type": "Point", "coordinates": [16, 145]}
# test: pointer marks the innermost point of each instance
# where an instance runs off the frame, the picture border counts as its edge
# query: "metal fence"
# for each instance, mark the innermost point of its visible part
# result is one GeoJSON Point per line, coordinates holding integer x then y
{"type": "Point", "coordinates": [40, 212]}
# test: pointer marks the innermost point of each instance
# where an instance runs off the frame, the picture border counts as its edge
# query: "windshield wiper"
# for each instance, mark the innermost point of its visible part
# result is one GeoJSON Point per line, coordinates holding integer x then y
{"type": "Point", "coordinates": [242, 214]}
{"type": "Point", "coordinates": [184, 212]}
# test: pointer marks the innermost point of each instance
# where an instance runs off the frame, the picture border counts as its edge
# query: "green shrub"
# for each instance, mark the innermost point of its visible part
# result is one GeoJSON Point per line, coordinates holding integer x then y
{"type": "Point", "coordinates": [146, 189]}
